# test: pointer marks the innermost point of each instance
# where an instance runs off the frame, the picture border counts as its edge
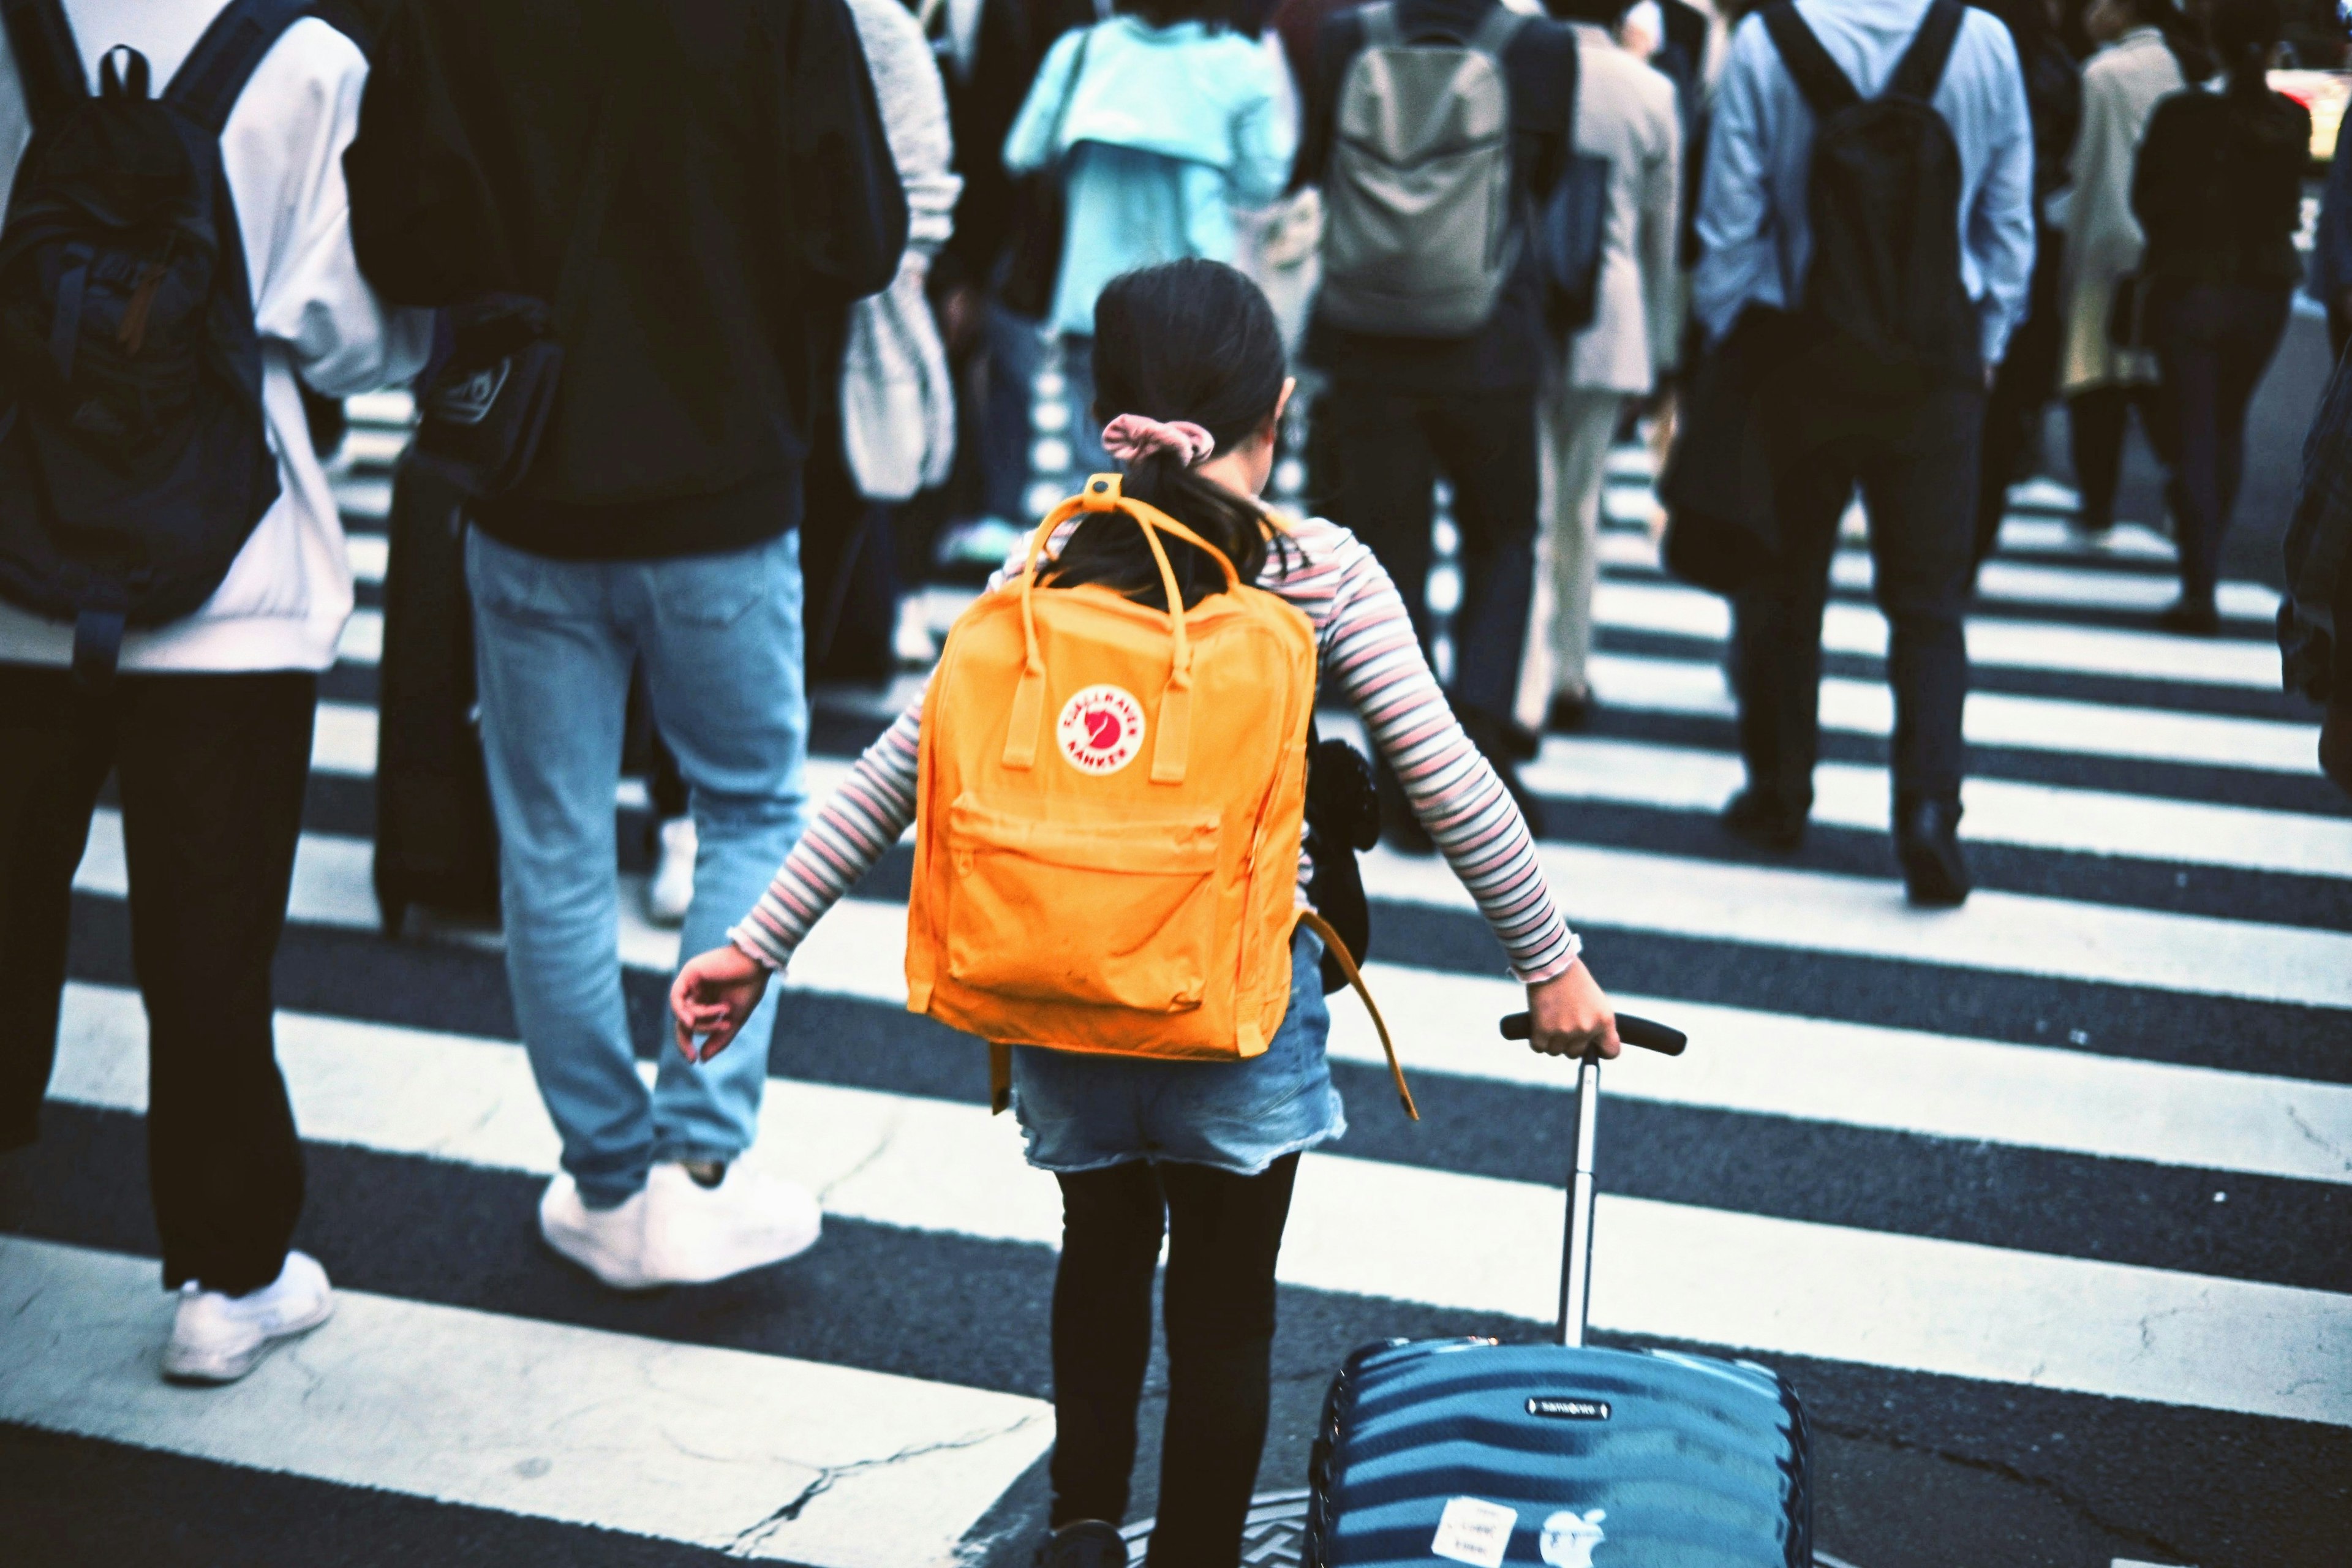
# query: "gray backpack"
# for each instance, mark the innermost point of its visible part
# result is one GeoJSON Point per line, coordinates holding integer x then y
{"type": "Point", "coordinates": [1418, 237]}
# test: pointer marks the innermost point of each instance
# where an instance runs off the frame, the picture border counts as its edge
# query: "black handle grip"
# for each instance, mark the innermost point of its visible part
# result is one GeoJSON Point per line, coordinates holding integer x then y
{"type": "Point", "coordinates": [1634, 1031]}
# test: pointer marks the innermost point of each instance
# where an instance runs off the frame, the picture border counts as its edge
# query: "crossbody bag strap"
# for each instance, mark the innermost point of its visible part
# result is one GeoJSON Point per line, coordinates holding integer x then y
{"type": "Point", "coordinates": [212, 78]}
{"type": "Point", "coordinates": [1337, 949]}
{"type": "Point", "coordinates": [1921, 71]}
{"type": "Point", "coordinates": [1825, 88]}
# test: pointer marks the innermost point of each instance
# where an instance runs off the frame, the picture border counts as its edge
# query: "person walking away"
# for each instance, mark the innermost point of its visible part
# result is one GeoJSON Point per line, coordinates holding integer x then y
{"type": "Point", "coordinates": [1432, 333]}
{"type": "Point", "coordinates": [205, 720]}
{"type": "Point", "coordinates": [888, 426]}
{"type": "Point", "coordinates": [2314, 625]}
{"type": "Point", "coordinates": [2220, 191]}
{"type": "Point", "coordinates": [1626, 114]}
{"type": "Point", "coordinates": [1891, 395]}
{"type": "Point", "coordinates": [751, 195]}
{"type": "Point", "coordinates": [1161, 122]}
{"type": "Point", "coordinates": [2149, 50]}
{"type": "Point", "coordinates": [1190, 355]}
{"type": "Point", "coordinates": [2028, 376]}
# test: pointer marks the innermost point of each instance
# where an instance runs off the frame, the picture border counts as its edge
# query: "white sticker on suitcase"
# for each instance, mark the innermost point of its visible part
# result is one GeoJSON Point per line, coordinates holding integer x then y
{"type": "Point", "coordinates": [1473, 1530]}
{"type": "Point", "coordinates": [1568, 1538]}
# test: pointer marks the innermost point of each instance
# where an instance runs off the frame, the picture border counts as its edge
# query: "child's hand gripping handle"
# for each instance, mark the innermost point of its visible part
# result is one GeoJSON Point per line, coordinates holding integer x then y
{"type": "Point", "coordinates": [1633, 1031]}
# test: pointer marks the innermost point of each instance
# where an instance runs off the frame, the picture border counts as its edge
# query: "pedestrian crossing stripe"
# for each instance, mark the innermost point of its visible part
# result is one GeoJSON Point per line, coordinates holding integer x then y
{"type": "Point", "coordinates": [1368, 1228]}
{"type": "Point", "coordinates": [758, 1455]}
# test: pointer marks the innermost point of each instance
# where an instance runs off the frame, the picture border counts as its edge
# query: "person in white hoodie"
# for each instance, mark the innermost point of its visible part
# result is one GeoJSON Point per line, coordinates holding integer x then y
{"type": "Point", "coordinates": [208, 725]}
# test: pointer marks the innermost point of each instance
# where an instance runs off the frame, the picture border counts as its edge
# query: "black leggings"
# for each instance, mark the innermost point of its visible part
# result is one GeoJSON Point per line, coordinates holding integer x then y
{"type": "Point", "coordinates": [1224, 1232]}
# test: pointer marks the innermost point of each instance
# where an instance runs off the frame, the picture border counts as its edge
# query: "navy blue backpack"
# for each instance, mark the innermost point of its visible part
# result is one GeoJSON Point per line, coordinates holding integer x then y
{"type": "Point", "coordinates": [134, 461]}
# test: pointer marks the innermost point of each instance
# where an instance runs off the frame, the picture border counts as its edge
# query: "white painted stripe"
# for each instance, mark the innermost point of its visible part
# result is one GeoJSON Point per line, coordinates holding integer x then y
{"type": "Point", "coordinates": [1998, 811]}
{"type": "Point", "coordinates": [1778, 1064]}
{"type": "Point", "coordinates": [371, 446]}
{"type": "Point", "coordinates": [367, 500]}
{"type": "Point", "coordinates": [370, 555]}
{"type": "Point", "coordinates": [1811, 911]}
{"type": "Point", "coordinates": [1365, 1227]}
{"type": "Point", "coordinates": [390, 407]}
{"type": "Point", "coordinates": [1992, 717]}
{"type": "Point", "coordinates": [343, 740]}
{"type": "Point", "coordinates": [1993, 643]}
{"type": "Point", "coordinates": [1817, 912]}
{"type": "Point", "coordinates": [676, 1441]}
{"type": "Point", "coordinates": [363, 639]}
{"type": "Point", "coordinates": [2124, 541]}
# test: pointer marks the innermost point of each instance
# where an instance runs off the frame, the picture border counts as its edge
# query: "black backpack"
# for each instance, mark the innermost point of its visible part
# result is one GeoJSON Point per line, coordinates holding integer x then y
{"type": "Point", "coordinates": [134, 461]}
{"type": "Point", "coordinates": [1884, 293]}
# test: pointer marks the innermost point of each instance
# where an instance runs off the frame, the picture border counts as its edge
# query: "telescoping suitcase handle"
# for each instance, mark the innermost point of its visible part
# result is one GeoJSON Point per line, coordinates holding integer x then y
{"type": "Point", "coordinates": [1576, 1260]}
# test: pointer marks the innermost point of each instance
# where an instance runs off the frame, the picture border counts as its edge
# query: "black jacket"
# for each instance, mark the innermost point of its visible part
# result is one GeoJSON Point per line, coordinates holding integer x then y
{"type": "Point", "coordinates": [2218, 188]}
{"type": "Point", "coordinates": [1540, 70]}
{"type": "Point", "coordinates": [755, 197]}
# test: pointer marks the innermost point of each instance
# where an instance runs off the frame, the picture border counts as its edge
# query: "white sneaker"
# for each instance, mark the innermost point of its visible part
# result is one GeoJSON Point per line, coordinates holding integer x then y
{"type": "Point", "coordinates": [672, 887]}
{"type": "Point", "coordinates": [911, 638]}
{"type": "Point", "coordinates": [696, 1234]}
{"type": "Point", "coordinates": [608, 1243]}
{"type": "Point", "coordinates": [218, 1338]}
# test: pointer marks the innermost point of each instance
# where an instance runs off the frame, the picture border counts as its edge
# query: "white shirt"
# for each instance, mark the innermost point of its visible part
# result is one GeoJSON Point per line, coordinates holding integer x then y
{"type": "Point", "coordinates": [285, 598]}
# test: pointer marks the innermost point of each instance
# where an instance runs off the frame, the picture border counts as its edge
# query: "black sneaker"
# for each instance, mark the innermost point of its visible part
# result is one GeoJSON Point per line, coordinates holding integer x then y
{"type": "Point", "coordinates": [1759, 819]}
{"type": "Point", "coordinates": [1087, 1544]}
{"type": "Point", "coordinates": [2191, 617]}
{"type": "Point", "coordinates": [1571, 713]}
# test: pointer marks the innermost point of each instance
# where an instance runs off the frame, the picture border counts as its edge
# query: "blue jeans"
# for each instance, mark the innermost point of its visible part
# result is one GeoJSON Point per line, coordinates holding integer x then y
{"type": "Point", "coordinates": [720, 640]}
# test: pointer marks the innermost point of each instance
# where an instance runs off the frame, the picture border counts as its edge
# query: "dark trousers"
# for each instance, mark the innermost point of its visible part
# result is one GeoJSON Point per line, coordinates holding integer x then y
{"type": "Point", "coordinates": [1389, 448]}
{"type": "Point", "coordinates": [1917, 469]}
{"type": "Point", "coordinates": [1223, 1233]}
{"type": "Point", "coordinates": [2096, 422]}
{"type": "Point", "coordinates": [211, 769]}
{"type": "Point", "coordinates": [2212, 342]}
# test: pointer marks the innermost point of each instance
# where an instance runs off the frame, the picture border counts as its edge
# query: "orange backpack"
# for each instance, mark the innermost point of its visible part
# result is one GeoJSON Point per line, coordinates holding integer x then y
{"type": "Point", "coordinates": [1108, 815]}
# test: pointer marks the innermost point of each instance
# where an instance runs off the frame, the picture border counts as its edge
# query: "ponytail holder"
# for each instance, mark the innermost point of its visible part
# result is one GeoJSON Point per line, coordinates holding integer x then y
{"type": "Point", "coordinates": [1131, 438]}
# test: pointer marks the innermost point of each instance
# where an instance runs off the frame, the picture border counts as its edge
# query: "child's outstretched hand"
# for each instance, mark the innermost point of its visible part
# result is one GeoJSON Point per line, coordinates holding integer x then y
{"type": "Point", "coordinates": [1570, 1015]}
{"type": "Point", "coordinates": [713, 996]}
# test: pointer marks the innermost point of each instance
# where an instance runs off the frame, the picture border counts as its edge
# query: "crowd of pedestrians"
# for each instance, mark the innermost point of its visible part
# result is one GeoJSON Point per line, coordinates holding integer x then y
{"type": "Point", "coordinates": [799, 264]}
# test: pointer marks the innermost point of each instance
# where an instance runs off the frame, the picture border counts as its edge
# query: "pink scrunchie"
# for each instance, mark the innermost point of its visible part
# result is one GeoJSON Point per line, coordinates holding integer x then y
{"type": "Point", "coordinates": [1131, 438]}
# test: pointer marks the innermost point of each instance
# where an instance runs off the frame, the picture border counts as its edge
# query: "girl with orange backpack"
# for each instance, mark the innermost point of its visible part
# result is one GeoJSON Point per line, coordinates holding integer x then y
{"type": "Point", "coordinates": [1092, 786]}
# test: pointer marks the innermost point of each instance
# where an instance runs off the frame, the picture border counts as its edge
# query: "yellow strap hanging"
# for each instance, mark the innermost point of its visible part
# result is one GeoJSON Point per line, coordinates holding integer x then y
{"type": "Point", "coordinates": [1339, 951]}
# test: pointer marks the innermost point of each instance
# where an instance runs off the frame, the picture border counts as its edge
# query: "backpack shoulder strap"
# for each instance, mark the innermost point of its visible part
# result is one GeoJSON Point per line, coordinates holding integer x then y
{"type": "Point", "coordinates": [1496, 31]}
{"type": "Point", "coordinates": [207, 85]}
{"type": "Point", "coordinates": [1381, 25]}
{"type": "Point", "coordinates": [48, 60]}
{"type": "Point", "coordinates": [1922, 70]}
{"type": "Point", "coordinates": [1826, 88]}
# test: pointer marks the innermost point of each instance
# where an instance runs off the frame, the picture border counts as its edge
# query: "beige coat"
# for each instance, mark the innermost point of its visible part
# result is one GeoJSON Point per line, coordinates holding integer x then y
{"type": "Point", "coordinates": [1625, 113]}
{"type": "Point", "coordinates": [2120, 89]}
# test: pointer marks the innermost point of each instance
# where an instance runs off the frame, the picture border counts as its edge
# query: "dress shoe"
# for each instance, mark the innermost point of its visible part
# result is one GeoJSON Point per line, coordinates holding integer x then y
{"type": "Point", "coordinates": [2191, 617]}
{"type": "Point", "coordinates": [1927, 843]}
{"type": "Point", "coordinates": [1085, 1543]}
{"type": "Point", "coordinates": [1520, 744]}
{"type": "Point", "coordinates": [1571, 713]}
{"type": "Point", "coordinates": [1759, 819]}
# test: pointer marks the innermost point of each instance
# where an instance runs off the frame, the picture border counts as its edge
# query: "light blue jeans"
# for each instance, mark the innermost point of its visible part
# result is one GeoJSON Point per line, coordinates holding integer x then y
{"type": "Point", "coordinates": [720, 640]}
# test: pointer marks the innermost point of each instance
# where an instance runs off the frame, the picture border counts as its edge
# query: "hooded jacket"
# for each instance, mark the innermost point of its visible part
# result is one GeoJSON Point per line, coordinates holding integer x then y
{"type": "Point", "coordinates": [753, 198]}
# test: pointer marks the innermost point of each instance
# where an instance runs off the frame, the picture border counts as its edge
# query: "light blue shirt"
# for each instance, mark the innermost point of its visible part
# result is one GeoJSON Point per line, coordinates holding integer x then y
{"type": "Point", "coordinates": [1168, 131]}
{"type": "Point", "coordinates": [1752, 217]}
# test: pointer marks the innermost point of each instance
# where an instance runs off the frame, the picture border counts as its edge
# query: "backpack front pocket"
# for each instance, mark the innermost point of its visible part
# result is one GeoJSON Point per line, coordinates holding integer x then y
{"type": "Point", "coordinates": [1119, 913]}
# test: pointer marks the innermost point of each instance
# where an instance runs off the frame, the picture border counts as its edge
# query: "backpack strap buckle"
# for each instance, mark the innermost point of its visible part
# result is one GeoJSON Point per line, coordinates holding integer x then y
{"type": "Point", "coordinates": [1101, 493]}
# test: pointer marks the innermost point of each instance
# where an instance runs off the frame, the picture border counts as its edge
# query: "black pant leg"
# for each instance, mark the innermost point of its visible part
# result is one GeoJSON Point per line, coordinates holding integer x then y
{"type": "Point", "coordinates": [55, 747]}
{"type": "Point", "coordinates": [1920, 496]}
{"type": "Point", "coordinates": [2257, 322]}
{"type": "Point", "coordinates": [1225, 1234]}
{"type": "Point", "coordinates": [1380, 446]}
{"type": "Point", "coordinates": [2095, 421]}
{"type": "Point", "coordinates": [1776, 630]}
{"type": "Point", "coordinates": [1486, 444]}
{"type": "Point", "coordinates": [1112, 1226]}
{"type": "Point", "coordinates": [213, 770]}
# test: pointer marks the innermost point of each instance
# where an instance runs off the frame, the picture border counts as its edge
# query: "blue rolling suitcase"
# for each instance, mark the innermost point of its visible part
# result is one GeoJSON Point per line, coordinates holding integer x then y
{"type": "Point", "coordinates": [1439, 1451]}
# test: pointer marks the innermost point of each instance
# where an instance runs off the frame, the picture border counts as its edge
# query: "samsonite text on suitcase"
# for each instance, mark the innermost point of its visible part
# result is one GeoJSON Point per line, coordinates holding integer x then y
{"type": "Point", "coordinates": [1474, 1451]}
{"type": "Point", "coordinates": [436, 843]}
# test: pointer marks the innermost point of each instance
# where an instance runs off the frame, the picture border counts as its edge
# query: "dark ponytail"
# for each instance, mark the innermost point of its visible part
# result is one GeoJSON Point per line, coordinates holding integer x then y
{"type": "Point", "coordinates": [1192, 340]}
{"type": "Point", "coordinates": [2245, 34]}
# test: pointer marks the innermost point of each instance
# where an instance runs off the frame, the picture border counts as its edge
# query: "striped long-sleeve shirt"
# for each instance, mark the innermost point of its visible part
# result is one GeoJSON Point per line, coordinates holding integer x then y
{"type": "Point", "coordinates": [1366, 647]}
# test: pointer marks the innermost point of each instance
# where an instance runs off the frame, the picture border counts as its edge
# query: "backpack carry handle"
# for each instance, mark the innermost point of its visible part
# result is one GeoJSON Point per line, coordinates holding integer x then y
{"type": "Point", "coordinates": [1634, 1031]}
{"type": "Point", "coordinates": [1174, 723]}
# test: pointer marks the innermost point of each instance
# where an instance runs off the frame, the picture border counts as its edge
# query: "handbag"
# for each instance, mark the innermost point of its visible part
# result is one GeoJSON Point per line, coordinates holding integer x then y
{"type": "Point", "coordinates": [1343, 817]}
{"type": "Point", "coordinates": [1032, 260]}
{"type": "Point", "coordinates": [1723, 528]}
{"type": "Point", "coordinates": [483, 403]}
{"type": "Point", "coordinates": [1571, 232]}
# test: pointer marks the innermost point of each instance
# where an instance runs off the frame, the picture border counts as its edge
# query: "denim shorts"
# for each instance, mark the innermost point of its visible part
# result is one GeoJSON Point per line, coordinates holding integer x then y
{"type": "Point", "coordinates": [1082, 1112]}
